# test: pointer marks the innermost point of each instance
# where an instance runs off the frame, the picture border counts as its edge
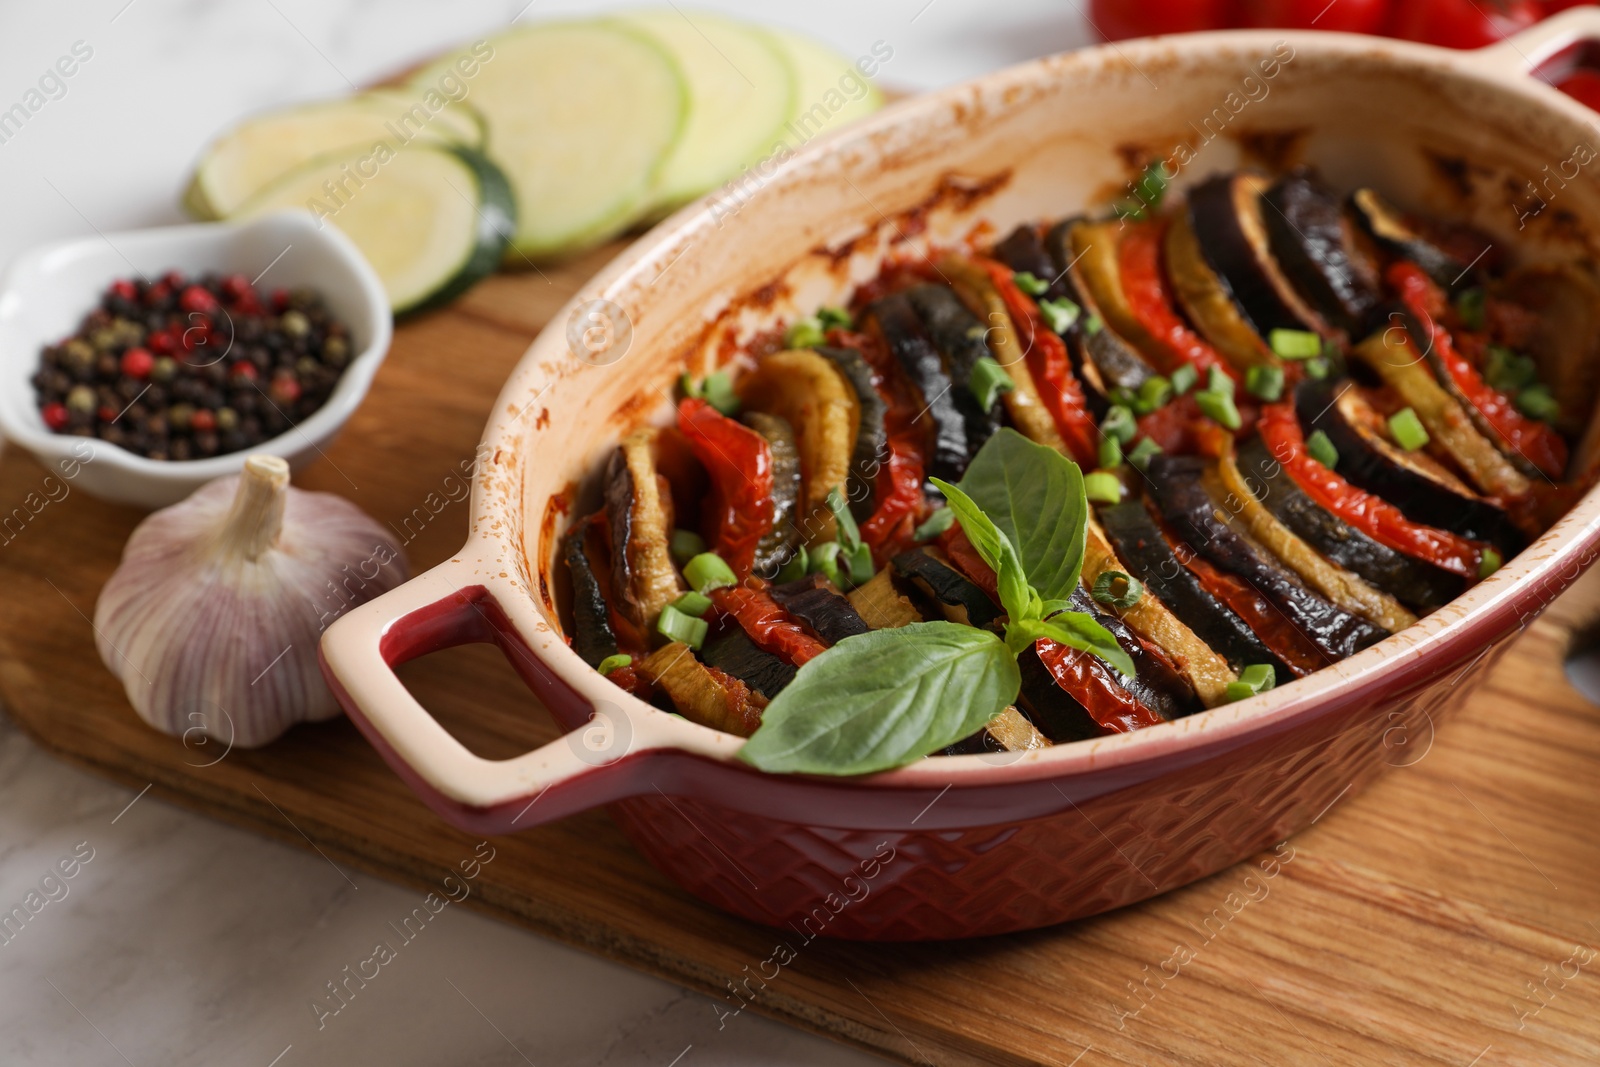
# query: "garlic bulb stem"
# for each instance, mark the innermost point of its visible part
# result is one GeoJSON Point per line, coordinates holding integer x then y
{"type": "Point", "coordinates": [256, 519]}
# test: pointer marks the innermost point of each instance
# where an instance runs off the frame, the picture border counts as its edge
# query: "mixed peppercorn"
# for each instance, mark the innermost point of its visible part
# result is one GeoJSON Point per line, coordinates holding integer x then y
{"type": "Point", "coordinates": [180, 368]}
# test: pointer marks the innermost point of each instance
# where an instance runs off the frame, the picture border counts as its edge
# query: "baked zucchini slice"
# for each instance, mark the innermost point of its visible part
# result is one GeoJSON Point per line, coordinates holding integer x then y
{"type": "Point", "coordinates": [777, 545]}
{"type": "Point", "coordinates": [871, 450]}
{"type": "Point", "coordinates": [806, 391]}
{"type": "Point", "coordinates": [639, 514]}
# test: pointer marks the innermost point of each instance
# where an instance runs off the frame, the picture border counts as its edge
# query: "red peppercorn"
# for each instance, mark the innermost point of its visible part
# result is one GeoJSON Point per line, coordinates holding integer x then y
{"type": "Point", "coordinates": [196, 333]}
{"type": "Point", "coordinates": [125, 289]}
{"type": "Point", "coordinates": [285, 389]}
{"type": "Point", "coordinates": [55, 415]}
{"type": "Point", "coordinates": [196, 298]}
{"type": "Point", "coordinates": [237, 287]}
{"type": "Point", "coordinates": [157, 294]}
{"type": "Point", "coordinates": [137, 363]}
{"type": "Point", "coordinates": [245, 370]}
{"type": "Point", "coordinates": [204, 420]}
{"type": "Point", "coordinates": [162, 342]}
{"type": "Point", "coordinates": [107, 413]}
{"type": "Point", "coordinates": [173, 280]}
{"type": "Point", "coordinates": [280, 300]}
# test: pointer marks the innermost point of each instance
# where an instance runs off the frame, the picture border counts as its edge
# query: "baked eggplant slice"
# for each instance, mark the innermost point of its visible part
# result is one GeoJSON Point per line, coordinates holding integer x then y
{"type": "Point", "coordinates": [806, 391]}
{"type": "Point", "coordinates": [592, 636]}
{"type": "Point", "coordinates": [1414, 482]}
{"type": "Point", "coordinates": [1342, 588]}
{"type": "Point", "coordinates": [896, 321]}
{"type": "Point", "coordinates": [946, 592]}
{"type": "Point", "coordinates": [1208, 300]}
{"type": "Point", "coordinates": [1097, 273]}
{"type": "Point", "coordinates": [1023, 250]}
{"type": "Point", "coordinates": [871, 450]}
{"type": "Point", "coordinates": [735, 654]}
{"type": "Point", "coordinates": [1178, 486]}
{"type": "Point", "coordinates": [881, 605]}
{"type": "Point", "coordinates": [1225, 212]}
{"type": "Point", "coordinates": [1414, 582]}
{"type": "Point", "coordinates": [1384, 223]}
{"type": "Point", "coordinates": [1311, 237]}
{"type": "Point", "coordinates": [958, 334]}
{"type": "Point", "coordinates": [639, 513]}
{"type": "Point", "coordinates": [1141, 546]}
{"type": "Point", "coordinates": [1100, 356]}
{"type": "Point", "coordinates": [816, 603]}
{"type": "Point", "coordinates": [1051, 708]}
{"type": "Point", "coordinates": [702, 694]}
{"type": "Point", "coordinates": [1156, 681]}
{"type": "Point", "coordinates": [1401, 361]}
{"type": "Point", "coordinates": [778, 544]}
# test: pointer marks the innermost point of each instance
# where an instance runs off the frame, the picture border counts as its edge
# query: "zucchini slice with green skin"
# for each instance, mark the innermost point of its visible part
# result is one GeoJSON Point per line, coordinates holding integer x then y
{"type": "Point", "coordinates": [592, 636]}
{"type": "Point", "coordinates": [741, 93]}
{"type": "Point", "coordinates": [1102, 353]}
{"type": "Point", "coordinates": [871, 450]}
{"type": "Point", "coordinates": [947, 593]}
{"type": "Point", "coordinates": [805, 390]}
{"type": "Point", "coordinates": [958, 334]}
{"type": "Point", "coordinates": [639, 513]}
{"type": "Point", "coordinates": [1009, 731]}
{"type": "Point", "coordinates": [1311, 238]}
{"type": "Point", "coordinates": [734, 653]}
{"type": "Point", "coordinates": [1177, 484]}
{"type": "Point", "coordinates": [816, 603]}
{"type": "Point", "coordinates": [261, 149]}
{"type": "Point", "coordinates": [1413, 482]}
{"type": "Point", "coordinates": [907, 340]}
{"type": "Point", "coordinates": [432, 220]}
{"type": "Point", "coordinates": [1386, 225]}
{"type": "Point", "coordinates": [1208, 300]}
{"type": "Point", "coordinates": [582, 117]}
{"type": "Point", "coordinates": [881, 605]}
{"type": "Point", "coordinates": [1226, 213]}
{"type": "Point", "coordinates": [703, 694]}
{"type": "Point", "coordinates": [826, 84]}
{"type": "Point", "coordinates": [777, 545]}
{"type": "Point", "coordinates": [1414, 582]}
{"type": "Point", "coordinates": [1139, 543]}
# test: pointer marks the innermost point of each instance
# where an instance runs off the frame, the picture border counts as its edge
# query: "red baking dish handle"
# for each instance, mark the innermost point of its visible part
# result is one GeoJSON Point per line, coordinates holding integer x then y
{"type": "Point", "coordinates": [1523, 53]}
{"type": "Point", "coordinates": [443, 608]}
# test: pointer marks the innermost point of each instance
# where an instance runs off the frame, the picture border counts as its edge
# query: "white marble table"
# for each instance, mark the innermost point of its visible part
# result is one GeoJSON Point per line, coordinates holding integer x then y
{"type": "Point", "coordinates": [183, 941]}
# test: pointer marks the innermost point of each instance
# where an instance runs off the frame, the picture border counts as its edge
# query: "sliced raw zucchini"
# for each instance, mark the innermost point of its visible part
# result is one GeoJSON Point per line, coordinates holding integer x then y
{"type": "Point", "coordinates": [805, 390]}
{"type": "Point", "coordinates": [829, 90]}
{"type": "Point", "coordinates": [581, 116]}
{"type": "Point", "coordinates": [871, 450]}
{"type": "Point", "coordinates": [263, 148]}
{"type": "Point", "coordinates": [1225, 212]}
{"type": "Point", "coordinates": [433, 220]}
{"type": "Point", "coordinates": [741, 93]}
{"type": "Point", "coordinates": [1312, 240]}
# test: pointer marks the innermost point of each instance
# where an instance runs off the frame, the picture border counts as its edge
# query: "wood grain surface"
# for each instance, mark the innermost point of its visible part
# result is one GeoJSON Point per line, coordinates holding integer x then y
{"type": "Point", "coordinates": [1447, 916]}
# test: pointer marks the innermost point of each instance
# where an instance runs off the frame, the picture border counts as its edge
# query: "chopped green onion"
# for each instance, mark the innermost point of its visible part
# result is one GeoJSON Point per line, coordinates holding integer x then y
{"type": "Point", "coordinates": [1264, 381]}
{"type": "Point", "coordinates": [1488, 563]}
{"type": "Point", "coordinates": [1030, 283]}
{"type": "Point", "coordinates": [825, 561]}
{"type": "Point", "coordinates": [1318, 368]}
{"type": "Point", "coordinates": [1470, 306]}
{"type": "Point", "coordinates": [1407, 430]}
{"type": "Point", "coordinates": [1103, 487]}
{"type": "Point", "coordinates": [686, 545]}
{"type": "Point", "coordinates": [1060, 314]}
{"type": "Point", "coordinates": [849, 532]}
{"type": "Point", "coordinates": [1110, 452]}
{"type": "Point", "coordinates": [708, 571]}
{"type": "Point", "coordinates": [1093, 324]}
{"type": "Point", "coordinates": [717, 389]}
{"type": "Point", "coordinates": [1220, 381]}
{"type": "Point", "coordinates": [674, 625]}
{"type": "Point", "coordinates": [1508, 372]}
{"type": "Point", "coordinates": [1295, 344]}
{"type": "Point", "coordinates": [1256, 678]}
{"type": "Point", "coordinates": [1219, 406]}
{"type": "Point", "coordinates": [1154, 391]}
{"type": "Point", "coordinates": [1117, 589]}
{"type": "Point", "coordinates": [1153, 183]}
{"type": "Point", "coordinates": [806, 333]}
{"type": "Point", "coordinates": [835, 319]}
{"type": "Point", "coordinates": [1119, 424]}
{"type": "Point", "coordinates": [1321, 449]}
{"type": "Point", "coordinates": [1143, 453]}
{"type": "Point", "coordinates": [1536, 402]}
{"type": "Point", "coordinates": [934, 525]}
{"type": "Point", "coordinates": [989, 379]}
{"type": "Point", "coordinates": [861, 568]}
{"type": "Point", "coordinates": [692, 603]}
{"type": "Point", "coordinates": [611, 663]}
{"type": "Point", "coordinates": [1129, 210]}
{"type": "Point", "coordinates": [1184, 378]}
{"type": "Point", "coordinates": [796, 567]}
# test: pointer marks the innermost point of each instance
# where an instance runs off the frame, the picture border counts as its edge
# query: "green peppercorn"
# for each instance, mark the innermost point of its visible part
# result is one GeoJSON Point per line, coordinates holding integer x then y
{"type": "Point", "coordinates": [165, 369]}
{"type": "Point", "coordinates": [227, 419]}
{"type": "Point", "coordinates": [335, 351]}
{"type": "Point", "coordinates": [294, 324]}
{"type": "Point", "coordinates": [178, 416]}
{"type": "Point", "coordinates": [81, 399]}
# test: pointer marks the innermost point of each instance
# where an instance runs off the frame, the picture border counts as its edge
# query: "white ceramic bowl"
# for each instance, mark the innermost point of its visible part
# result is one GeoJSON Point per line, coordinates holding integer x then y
{"type": "Point", "coordinates": [47, 291]}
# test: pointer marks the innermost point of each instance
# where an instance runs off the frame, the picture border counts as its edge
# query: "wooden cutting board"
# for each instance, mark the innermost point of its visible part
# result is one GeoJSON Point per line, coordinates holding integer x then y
{"type": "Point", "coordinates": [1444, 917]}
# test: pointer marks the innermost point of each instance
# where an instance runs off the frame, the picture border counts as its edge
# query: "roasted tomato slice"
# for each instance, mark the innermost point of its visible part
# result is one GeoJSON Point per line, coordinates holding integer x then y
{"type": "Point", "coordinates": [738, 511]}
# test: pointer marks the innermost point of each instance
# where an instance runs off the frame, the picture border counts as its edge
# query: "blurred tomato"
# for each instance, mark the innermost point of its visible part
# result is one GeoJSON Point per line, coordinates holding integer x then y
{"type": "Point", "coordinates": [1350, 16]}
{"type": "Point", "coordinates": [1583, 86]}
{"type": "Point", "coordinates": [1462, 23]}
{"type": "Point", "coordinates": [1550, 7]}
{"type": "Point", "coordinates": [1120, 19]}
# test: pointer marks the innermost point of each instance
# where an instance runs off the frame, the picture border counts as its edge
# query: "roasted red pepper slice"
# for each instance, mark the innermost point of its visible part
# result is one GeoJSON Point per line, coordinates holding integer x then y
{"type": "Point", "coordinates": [1051, 368]}
{"type": "Point", "coordinates": [898, 490]}
{"type": "Point", "coordinates": [1372, 515]}
{"type": "Point", "coordinates": [963, 556]}
{"type": "Point", "coordinates": [1535, 441]}
{"type": "Point", "coordinates": [738, 510]}
{"type": "Point", "coordinates": [768, 625]}
{"type": "Point", "coordinates": [1144, 283]}
{"type": "Point", "coordinates": [1088, 680]}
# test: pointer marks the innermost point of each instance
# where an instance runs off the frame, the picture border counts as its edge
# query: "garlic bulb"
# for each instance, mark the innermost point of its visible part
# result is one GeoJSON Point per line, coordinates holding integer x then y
{"type": "Point", "coordinates": [213, 617]}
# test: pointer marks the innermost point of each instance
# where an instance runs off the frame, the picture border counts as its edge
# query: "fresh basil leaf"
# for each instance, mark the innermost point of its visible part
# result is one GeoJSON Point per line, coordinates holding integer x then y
{"type": "Point", "coordinates": [884, 698]}
{"type": "Point", "coordinates": [995, 548]}
{"type": "Point", "coordinates": [1075, 629]}
{"type": "Point", "coordinates": [1034, 496]}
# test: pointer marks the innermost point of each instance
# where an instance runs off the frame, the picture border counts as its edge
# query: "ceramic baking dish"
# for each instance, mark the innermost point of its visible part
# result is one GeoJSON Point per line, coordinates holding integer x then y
{"type": "Point", "coordinates": [959, 846]}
